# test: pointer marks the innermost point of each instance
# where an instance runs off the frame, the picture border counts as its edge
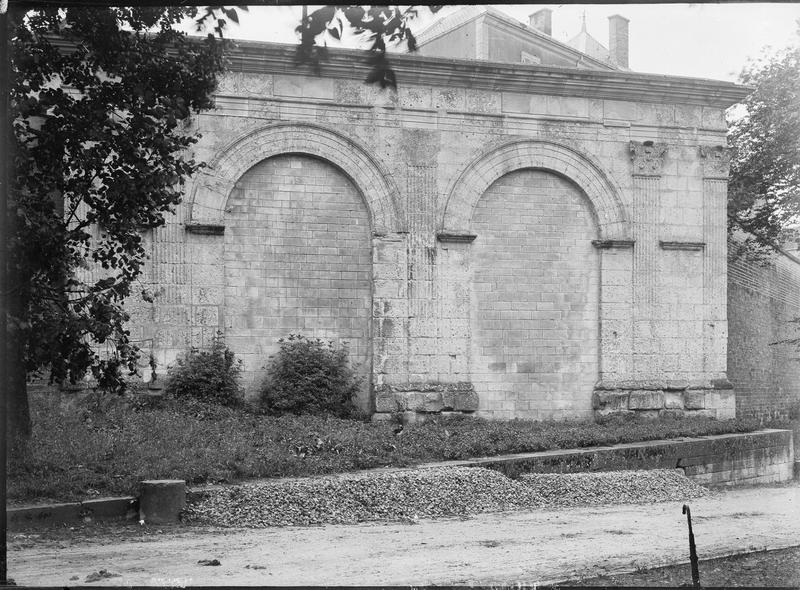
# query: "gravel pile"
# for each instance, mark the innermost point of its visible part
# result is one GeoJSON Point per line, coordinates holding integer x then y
{"type": "Point", "coordinates": [425, 493]}
{"type": "Point", "coordinates": [613, 487]}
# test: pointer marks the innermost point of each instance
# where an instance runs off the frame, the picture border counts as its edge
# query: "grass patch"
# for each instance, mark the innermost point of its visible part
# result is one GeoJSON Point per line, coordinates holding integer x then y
{"type": "Point", "coordinates": [105, 445]}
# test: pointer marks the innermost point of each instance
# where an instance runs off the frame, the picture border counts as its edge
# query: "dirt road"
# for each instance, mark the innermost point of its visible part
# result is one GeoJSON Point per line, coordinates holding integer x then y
{"type": "Point", "coordinates": [509, 548]}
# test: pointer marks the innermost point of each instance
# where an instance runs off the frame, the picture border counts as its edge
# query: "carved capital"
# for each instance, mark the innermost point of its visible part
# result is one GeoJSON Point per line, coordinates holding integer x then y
{"type": "Point", "coordinates": [716, 161]}
{"type": "Point", "coordinates": [647, 158]}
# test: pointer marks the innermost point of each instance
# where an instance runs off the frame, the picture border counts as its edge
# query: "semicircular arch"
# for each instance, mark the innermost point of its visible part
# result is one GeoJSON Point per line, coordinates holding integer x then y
{"type": "Point", "coordinates": [603, 194]}
{"type": "Point", "coordinates": [214, 184]}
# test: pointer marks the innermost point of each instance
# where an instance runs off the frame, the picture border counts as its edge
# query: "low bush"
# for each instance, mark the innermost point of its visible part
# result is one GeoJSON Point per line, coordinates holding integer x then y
{"type": "Point", "coordinates": [309, 376]}
{"type": "Point", "coordinates": [207, 376]}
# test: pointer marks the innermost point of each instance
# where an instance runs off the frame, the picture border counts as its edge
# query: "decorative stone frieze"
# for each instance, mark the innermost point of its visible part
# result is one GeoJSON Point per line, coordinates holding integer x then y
{"type": "Point", "coordinates": [716, 161]}
{"type": "Point", "coordinates": [647, 157]}
{"type": "Point", "coordinates": [246, 84]}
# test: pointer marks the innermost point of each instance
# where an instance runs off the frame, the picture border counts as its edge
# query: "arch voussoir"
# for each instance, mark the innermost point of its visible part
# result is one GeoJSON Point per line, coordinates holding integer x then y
{"type": "Point", "coordinates": [603, 194]}
{"type": "Point", "coordinates": [212, 188]}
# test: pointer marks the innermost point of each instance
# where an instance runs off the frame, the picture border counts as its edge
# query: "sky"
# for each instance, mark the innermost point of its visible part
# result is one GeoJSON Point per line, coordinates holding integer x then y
{"type": "Point", "coordinates": [697, 40]}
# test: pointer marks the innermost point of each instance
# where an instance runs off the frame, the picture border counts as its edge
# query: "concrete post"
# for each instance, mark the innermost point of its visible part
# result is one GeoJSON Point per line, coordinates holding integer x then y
{"type": "Point", "coordinates": [161, 500]}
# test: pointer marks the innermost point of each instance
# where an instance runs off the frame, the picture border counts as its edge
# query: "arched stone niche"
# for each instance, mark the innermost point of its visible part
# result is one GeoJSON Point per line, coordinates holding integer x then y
{"type": "Point", "coordinates": [601, 191]}
{"type": "Point", "coordinates": [214, 184]}
{"type": "Point", "coordinates": [212, 190]}
{"type": "Point", "coordinates": [457, 239]}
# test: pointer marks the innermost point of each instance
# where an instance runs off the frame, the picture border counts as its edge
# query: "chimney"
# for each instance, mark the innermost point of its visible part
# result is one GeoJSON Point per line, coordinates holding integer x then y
{"type": "Point", "coordinates": [618, 40]}
{"type": "Point", "coordinates": [542, 20]}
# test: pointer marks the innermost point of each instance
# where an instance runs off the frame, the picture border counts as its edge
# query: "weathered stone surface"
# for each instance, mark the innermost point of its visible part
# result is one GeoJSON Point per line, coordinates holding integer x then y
{"type": "Point", "coordinates": [723, 402]}
{"type": "Point", "coordinates": [610, 400]}
{"type": "Point", "coordinates": [694, 399]}
{"type": "Point", "coordinates": [673, 400]}
{"type": "Point", "coordinates": [460, 397]}
{"type": "Point", "coordinates": [385, 402]}
{"type": "Point", "coordinates": [646, 400]}
{"type": "Point", "coordinates": [411, 417]}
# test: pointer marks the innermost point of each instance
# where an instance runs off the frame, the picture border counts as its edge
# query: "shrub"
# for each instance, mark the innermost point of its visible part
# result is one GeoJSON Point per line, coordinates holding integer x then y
{"type": "Point", "coordinates": [207, 375]}
{"type": "Point", "coordinates": [309, 376]}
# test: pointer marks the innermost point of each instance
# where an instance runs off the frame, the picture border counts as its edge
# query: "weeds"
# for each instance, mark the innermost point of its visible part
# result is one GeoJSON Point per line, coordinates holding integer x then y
{"type": "Point", "coordinates": [80, 449]}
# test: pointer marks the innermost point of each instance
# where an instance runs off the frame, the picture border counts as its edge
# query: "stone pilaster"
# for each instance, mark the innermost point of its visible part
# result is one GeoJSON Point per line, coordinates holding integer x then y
{"type": "Point", "coordinates": [170, 327]}
{"type": "Point", "coordinates": [715, 162]}
{"type": "Point", "coordinates": [423, 300]}
{"type": "Point", "coordinates": [449, 388]}
{"type": "Point", "coordinates": [647, 159]}
{"type": "Point", "coordinates": [390, 326]}
{"type": "Point", "coordinates": [616, 310]}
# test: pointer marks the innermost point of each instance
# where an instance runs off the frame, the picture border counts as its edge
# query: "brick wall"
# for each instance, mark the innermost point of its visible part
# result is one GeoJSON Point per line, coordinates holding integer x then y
{"type": "Point", "coordinates": [535, 320]}
{"type": "Point", "coordinates": [297, 260]}
{"type": "Point", "coordinates": [762, 298]}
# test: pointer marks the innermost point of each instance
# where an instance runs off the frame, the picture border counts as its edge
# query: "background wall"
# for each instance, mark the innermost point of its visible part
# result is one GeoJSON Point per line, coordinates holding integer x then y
{"type": "Point", "coordinates": [762, 298]}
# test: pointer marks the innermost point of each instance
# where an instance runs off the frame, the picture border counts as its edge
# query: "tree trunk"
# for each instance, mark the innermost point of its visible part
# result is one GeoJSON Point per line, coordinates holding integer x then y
{"type": "Point", "coordinates": [19, 414]}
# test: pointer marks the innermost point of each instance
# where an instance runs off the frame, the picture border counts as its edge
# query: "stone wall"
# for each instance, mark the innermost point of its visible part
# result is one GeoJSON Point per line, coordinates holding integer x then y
{"type": "Point", "coordinates": [762, 299]}
{"type": "Point", "coordinates": [513, 245]}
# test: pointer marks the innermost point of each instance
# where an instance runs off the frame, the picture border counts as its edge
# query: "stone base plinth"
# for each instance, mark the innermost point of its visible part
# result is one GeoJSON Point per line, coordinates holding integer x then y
{"type": "Point", "coordinates": [426, 398]}
{"type": "Point", "coordinates": [650, 400]}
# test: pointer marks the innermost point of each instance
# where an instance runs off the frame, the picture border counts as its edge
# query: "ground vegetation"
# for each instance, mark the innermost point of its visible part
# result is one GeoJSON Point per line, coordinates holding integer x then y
{"type": "Point", "coordinates": [92, 445]}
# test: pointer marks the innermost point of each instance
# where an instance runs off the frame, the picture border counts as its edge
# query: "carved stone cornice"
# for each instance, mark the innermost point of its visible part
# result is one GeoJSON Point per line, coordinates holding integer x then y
{"type": "Point", "coordinates": [456, 237]}
{"type": "Point", "coordinates": [608, 244]}
{"type": "Point", "coordinates": [676, 245]}
{"type": "Point", "coordinates": [206, 228]}
{"type": "Point", "coordinates": [716, 161]}
{"type": "Point", "coordinates": [258, 57]}
{"type": "Point", "coordinates": [647, 157]}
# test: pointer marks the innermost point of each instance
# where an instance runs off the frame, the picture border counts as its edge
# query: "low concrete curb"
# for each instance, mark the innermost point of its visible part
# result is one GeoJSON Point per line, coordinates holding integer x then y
{"type": "Point", "coordinates": [763, 456]}
{"type": "Point", "coordinates": [97, 509]}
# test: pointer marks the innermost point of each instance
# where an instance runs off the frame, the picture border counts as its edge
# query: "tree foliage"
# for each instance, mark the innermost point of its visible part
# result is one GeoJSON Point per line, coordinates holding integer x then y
{"type": "Point", "coordinates": [764, 187]}
{"type": "Point", "coordinates": [100, 99]}
{"type": "Point", "coordinates": [377, 27]}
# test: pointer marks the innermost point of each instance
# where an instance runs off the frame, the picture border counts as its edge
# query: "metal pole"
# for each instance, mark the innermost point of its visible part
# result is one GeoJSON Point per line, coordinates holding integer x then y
{"type": "Point", "coordinates": [692, 549]}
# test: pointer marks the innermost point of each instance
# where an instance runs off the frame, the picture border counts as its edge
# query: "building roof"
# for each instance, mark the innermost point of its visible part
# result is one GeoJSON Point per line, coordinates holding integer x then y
{"type": "Point", "coordinates": [590, 55]}
{"type": "Point", "coordinates": [587, 44]}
